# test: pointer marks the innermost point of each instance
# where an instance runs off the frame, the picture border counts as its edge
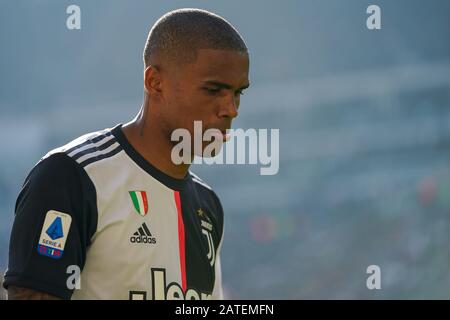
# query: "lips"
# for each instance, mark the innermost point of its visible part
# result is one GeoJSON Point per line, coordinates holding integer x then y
{"type": "Point", "coordinates": [221, 134]}
{"type": "Point", "coordinates": [225, 135]}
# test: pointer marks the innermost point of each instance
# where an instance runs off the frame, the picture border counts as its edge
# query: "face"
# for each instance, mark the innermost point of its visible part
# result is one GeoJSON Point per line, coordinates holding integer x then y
{"type": "Point", "coordinates": [207, 90]}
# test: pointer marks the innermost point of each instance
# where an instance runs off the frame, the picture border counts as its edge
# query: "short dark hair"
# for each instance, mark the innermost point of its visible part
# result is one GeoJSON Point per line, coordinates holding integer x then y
{"type": "Point", "coordinates": [178, 34]}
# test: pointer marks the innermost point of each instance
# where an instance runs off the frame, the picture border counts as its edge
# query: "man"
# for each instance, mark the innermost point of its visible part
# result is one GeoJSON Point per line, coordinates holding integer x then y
{"type": "Point", "coordinates": [113, 203]}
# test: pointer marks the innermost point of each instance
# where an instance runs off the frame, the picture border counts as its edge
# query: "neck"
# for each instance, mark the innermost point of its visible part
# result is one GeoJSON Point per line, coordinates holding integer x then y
{"type": "Point", "coordinates": [152, 144]}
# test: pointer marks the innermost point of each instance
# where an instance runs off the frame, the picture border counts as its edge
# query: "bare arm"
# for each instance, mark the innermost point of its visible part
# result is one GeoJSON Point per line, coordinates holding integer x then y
{"type": "Point", "coordinates": [17, 293]}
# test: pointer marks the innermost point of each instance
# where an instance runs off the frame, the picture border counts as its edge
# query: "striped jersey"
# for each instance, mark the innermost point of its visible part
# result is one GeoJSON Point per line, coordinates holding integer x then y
{"type": "Point", "coordinates": [95, 220]}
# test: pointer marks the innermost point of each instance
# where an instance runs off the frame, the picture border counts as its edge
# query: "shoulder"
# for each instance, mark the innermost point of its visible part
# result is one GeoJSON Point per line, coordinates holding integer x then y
{"type": "Point", "coordinates": [67, 162]}
{"type": "Point", "coordinates": [53, 171]}
{"type": "Point", "coordinates": [209, 196]}
{"type": "Point", "coordinates": [59, 182]}
{"type": "Point", "coordinates": [60, 176]}
{"type": "Point", "coordinates": [199, 183]}
{"type": "Point", "coordinates": [90, 147]}
{"type": "Point", "coordinates": [196, 179]}
{"type": "Point", "coordinates": [64, 165]}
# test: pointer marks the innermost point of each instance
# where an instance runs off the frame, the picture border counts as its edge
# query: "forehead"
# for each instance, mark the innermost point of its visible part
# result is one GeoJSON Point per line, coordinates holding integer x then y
{"type": "Point", "coordinates": [226, 65]}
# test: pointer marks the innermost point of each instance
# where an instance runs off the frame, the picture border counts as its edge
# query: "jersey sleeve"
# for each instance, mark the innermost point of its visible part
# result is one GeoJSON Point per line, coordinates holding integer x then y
{"type": "Point", "coordinates": [55, 218]}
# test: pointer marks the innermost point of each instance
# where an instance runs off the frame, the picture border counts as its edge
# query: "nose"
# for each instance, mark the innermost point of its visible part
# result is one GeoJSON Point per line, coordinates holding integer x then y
{"type": "Point", "coordinates": [229, 109]}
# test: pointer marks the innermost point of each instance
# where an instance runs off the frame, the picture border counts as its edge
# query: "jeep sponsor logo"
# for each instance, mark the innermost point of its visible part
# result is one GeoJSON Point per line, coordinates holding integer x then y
{"type": "Point", "coordinates": [172, 291]}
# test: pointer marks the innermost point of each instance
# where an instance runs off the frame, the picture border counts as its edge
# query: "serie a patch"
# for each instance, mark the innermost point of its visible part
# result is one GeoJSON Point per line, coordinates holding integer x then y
{"type": "Point", "coordinates": [54, 234]}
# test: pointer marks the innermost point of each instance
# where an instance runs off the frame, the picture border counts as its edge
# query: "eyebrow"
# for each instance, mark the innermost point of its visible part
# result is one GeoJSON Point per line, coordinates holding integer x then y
{"type": "Point", "coordinates": [225, 85]}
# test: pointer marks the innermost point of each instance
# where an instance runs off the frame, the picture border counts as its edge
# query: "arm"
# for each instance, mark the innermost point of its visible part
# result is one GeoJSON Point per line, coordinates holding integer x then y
{"type": "Point", "coordinates": [54, 194]}
{"type": "Point", "coordinates": [18, 293]}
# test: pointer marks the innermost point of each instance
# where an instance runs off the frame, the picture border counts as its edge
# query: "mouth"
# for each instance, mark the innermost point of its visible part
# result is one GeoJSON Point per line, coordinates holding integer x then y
{"type": "Point", "coordinates": [222, 135]}
{"type": "Point", "coordinates": [226, 136]}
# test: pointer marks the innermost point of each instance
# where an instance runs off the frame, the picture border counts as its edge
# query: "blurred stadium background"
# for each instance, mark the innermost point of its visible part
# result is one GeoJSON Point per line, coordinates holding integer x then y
{"type": "Point", "coordinates": [364, 119]}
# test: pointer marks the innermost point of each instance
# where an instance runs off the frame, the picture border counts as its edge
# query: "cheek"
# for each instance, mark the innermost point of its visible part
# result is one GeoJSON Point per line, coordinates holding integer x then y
{"type": "Point", "coordinates": [187, 105]}
{"type": "Point", "coordinates": [178, 101]}
{"type": "Point", "coordinates": [200, 106]}
{"type": "Point", "coordinates": [183, 112]}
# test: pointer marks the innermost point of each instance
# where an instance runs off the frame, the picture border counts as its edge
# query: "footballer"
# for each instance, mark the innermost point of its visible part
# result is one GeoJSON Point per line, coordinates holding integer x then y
{"type": "Point", "coordinates": [112, 203]}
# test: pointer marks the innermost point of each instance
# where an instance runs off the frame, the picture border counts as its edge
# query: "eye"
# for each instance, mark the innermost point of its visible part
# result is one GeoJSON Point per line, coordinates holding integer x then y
{"type": "Point", "coordinates": [239, 92]}
{"type": "Point", "coordinates": [212, 91]}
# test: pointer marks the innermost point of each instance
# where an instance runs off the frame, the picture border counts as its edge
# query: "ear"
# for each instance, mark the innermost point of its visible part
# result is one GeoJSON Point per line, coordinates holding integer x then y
{"type": "Point", "coordinates": [152, 80]}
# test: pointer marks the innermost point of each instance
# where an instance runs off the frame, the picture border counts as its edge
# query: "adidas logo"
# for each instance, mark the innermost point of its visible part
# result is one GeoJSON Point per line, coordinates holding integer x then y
{"type": "Point", "coordinates": [143, 235]}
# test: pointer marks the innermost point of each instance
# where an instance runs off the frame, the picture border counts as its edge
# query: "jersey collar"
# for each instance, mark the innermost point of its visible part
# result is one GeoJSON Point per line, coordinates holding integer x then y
{"type": "Point", "coordinates": [168, 181]}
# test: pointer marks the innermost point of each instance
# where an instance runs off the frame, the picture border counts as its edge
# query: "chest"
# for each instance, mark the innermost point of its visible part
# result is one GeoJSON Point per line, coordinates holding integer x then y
{"type": "Point", "coordinates": [154, 240]}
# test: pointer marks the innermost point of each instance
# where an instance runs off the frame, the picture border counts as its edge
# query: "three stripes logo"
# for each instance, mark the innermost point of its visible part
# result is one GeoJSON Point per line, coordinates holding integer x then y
{"type": "Point", "coordinates": [102, 146]}
{"type": "Point", "coordinates": [143, 235]}
{"type": "Point", "coordinates": [140, 202]}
